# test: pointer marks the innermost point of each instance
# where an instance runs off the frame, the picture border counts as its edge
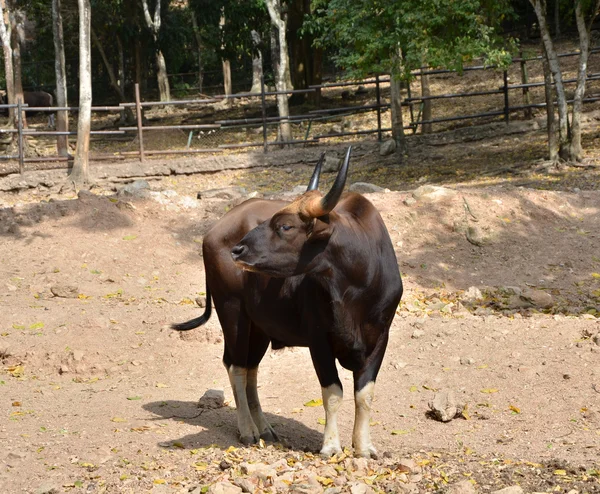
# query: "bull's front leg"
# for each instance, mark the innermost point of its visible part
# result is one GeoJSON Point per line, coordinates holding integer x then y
{"type": "Point", "coordinates": [332, 400]}
{"type": "Point", "coordinates": [361, 436]}
{"type": "Point", "coordinates": [238, 377]}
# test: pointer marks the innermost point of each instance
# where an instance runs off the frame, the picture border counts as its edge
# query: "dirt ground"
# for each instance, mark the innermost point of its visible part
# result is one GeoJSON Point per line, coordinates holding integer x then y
{"type": "Point", "coordinates": [501, 307]}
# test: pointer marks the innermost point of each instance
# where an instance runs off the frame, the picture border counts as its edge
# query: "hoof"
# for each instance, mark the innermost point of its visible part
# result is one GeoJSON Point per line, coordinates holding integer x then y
{"type": "Point", "coordinates": [269, 436]}
{"type": "Point", "coordinates": [328, 451]}
{"type": "Point", "coordinates": [248, 440]}
{"type": "Point", "coordinates": [371, 452]}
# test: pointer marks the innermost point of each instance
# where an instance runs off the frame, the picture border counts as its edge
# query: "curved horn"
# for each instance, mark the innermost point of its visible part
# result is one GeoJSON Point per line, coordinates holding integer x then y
{"type": "Point", "coordinates": [333, 196]}
{"type": "Point", "coordinates": [314, 180]}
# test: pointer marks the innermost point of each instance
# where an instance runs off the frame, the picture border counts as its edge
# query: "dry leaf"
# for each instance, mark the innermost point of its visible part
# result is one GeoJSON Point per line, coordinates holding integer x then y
{"type": "Point", "coordinates": [314, 403]}
{"type": "Point", "coordinates": [515, 409]}
{"type": "Point", "coordinates": [489, 390]}
{"type": "Point", "coordinates": [118, 419]}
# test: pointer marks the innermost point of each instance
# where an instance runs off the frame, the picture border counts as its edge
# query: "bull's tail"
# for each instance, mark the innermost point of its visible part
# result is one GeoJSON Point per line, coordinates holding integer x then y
{"type": "Point", "coordinates": [198, 321]}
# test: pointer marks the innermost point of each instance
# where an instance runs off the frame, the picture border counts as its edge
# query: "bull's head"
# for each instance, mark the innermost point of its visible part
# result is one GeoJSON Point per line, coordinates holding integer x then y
{"type": "Point", "coordinates": [290, 242]}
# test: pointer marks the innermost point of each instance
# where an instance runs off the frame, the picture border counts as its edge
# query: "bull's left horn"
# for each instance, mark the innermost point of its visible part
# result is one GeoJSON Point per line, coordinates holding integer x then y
{"type": "Point", "coordinates": [333, 196]}
{"type": "Point", "coordinates": [314, 180]}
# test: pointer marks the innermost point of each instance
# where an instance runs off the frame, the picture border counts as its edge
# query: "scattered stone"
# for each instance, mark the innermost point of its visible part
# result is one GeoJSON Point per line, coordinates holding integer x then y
{"type": "Point", "coordinates": [65, 291]}
{"type": "Point", "coordinates": [224, 488]}
{"type": "Point", "coordinates": [245, 484]}
{"type": "Point", "coordinates": [359, 488]}
{"type": "Point", "coordinates": [407, 465]}
{"type": "Point", "coordinates": [513, 489]}
{"type": "Point", "coordinates": [444, 406]}
{"type": "Point", "coordinates": [299, 189]}
{"type": "Point", "coordinates": [213, 398]}
{"type": "Point", "coordinates": [433, 193]}
{"type": "Point", "coordinates": [537, 298]}
{"type": "Point", "coordinates": [409, 201]}
{"type": "Point", "coordinates": [47, 489]}
{"type": "Point", "coordinates": [387, 147]}
{"type": "Point", "coordinates": [331, 164]}
{"type": "Point", "coordinates": [365, 188]}
{"type": "Point", "coordinates": [201, 302]}
{"type": "Point", "coordinates": [472, 294]}
{"type": "Point", "coordinates": [462, 487]}
{"type": "Point", "coordinates": [336, 129]}
{"type": "Point", "coordinates": [224, 465]}
{"type": "Point", "coordinates": [476, 236]}
{"type": "Point", "coordinates": [417, 333]}
{"type": "Point", "coordinates": [466, 361]}
{"type": "Point", "coordinates": [596, 339]}
{"type": "Point", "coordinates": [137, 188]}
{"type": "Point", "coordinates": [223, 193]}
{"type": "Point", "coordinates": [258, 470]}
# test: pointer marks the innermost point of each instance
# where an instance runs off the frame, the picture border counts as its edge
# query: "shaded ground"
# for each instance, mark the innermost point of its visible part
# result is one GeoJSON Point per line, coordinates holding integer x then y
{"type": "Point", "coordinates": [97, 394]}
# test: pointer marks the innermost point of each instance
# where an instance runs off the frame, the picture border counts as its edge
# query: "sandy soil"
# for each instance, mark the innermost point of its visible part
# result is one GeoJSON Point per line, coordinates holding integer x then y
{"type": "Point", "coordinates": [98, 395]}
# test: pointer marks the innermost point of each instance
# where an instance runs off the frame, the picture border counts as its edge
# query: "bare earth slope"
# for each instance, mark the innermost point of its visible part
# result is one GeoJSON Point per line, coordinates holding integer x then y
{"type": "Point", "coordinates": [98, 395]}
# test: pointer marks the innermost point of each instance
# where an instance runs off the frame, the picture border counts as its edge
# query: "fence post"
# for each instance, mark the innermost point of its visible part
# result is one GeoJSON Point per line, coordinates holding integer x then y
{"type": "Point", "coordinates": [20, 136]}
{"type": "Point", "coordinates": [264, 112]}
{"type": "Point", "coordinates": [138, 112]}
{"type": "Point", "coordinates": [505, 88]}
{"type": "Point", "coordinates": [378, 96]}
{"type": "Point", "coordinates": [525, 80]}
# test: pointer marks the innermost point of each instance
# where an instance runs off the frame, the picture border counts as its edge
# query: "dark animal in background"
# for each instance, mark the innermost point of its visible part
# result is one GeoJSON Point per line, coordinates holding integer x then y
{"type": "Point", "coordinates": [320, 272]}
{"type": "Point", "coordinates": [37, 99]}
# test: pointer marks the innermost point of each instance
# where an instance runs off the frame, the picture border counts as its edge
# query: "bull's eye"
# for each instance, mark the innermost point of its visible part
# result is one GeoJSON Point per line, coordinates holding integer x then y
{"type": "Point", "coordinates": [285, 228]}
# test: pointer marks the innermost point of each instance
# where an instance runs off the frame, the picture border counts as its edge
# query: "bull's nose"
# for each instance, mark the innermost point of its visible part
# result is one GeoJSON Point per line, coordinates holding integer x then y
{"type": "Point", "coordinates": [238, 251]}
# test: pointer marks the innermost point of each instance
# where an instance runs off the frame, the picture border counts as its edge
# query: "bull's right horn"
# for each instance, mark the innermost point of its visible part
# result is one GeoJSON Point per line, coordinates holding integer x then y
{"type": "Point", "coordinates": [314, 180]}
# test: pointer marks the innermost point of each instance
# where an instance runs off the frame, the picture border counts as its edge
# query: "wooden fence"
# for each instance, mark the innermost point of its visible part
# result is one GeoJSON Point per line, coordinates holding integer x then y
{"type": "Point", "coordinates": [379, 106]}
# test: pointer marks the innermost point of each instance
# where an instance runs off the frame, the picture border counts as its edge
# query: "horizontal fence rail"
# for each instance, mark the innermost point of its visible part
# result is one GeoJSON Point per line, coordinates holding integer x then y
{"type": "Point", "coordinates": [262, 123]}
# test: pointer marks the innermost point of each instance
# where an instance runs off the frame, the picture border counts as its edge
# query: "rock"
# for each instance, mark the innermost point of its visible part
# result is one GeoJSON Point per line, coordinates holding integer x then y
{"type": "Point", "coordinates": [513, 489]}
{"type": "Point", "coordinates": [365, 188]}
{"type": "Point", "coordinates": [213, 398]}
{"type": "Point", "coordinates": [433, 193]}
{"type": "Point", "coordinates": [258, 470]}
{"type": "Point", "coordinates": [537, 298]}
{"type": "Point", "coordinates": [299, 189]}
{"type": "Point", "coordinates": [224, 488]}
{"type": "Point", "coordinates": [407, 465]}
{"type": "Point", "coordinates": [444, 406]}
{"type": "Point", "coordinates": [472, 294]}
{"type": "Point", "coordinates": [47, 489]}
{"type": "Point", "coordinates": [409, 201]}
{"type": "Point", "coordinates": [65, 291]}
{"type": "Point", "coordinates": [331, 164]}
{"type": "Point", "coordinates": [466, 361]}
{"type": "Point", "coordinates": [137, 188]}
{"type": "Point", "coordinates": [596, 339]}
{"type": "Point", "coordinates": [387, 147]}
{"type": "Point", "coordinates": [359, 488]}
{"type": "Point", "coordinates": [462, 487]}
{"type": "Point", "coordinates": [245, 484]}
{"type": "Point", "coordinates": [335, 129]}
{"type": "Point", "coordinates": [201, 302]}
{"type": "Point", "coordinates": [417, 333]}
{"type": "Point", "coordinates": [476, 236]}
{"type": "Point", "coordinates": [223, 193]}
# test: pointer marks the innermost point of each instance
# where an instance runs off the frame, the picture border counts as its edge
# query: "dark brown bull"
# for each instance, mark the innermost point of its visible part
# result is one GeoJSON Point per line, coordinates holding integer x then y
{"type": "Point", "coordinates": [319, 272]}
{"type": "Point", "coordinates": [36, 99]}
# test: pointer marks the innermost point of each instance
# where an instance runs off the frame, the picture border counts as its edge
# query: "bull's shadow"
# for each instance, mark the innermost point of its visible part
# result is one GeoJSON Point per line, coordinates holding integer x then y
{"type": "Point", "coordinates": [219, 426]}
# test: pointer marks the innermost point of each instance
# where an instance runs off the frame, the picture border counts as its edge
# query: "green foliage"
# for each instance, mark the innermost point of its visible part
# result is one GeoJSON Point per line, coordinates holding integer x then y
{"type": "Point", "coordinates": [401, 35]}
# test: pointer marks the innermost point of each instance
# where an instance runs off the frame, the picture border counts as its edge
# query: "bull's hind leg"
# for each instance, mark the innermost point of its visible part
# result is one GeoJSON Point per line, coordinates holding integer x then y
{"type": "Point", "coordinates": [364, 384]}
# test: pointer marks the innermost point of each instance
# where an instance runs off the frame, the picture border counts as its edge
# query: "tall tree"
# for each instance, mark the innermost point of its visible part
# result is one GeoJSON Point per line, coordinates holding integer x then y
{"type": "Point", "coordinates": [153, 24]}
{"type": "Point", "coordinates": [282, 75]}
{"type": "Point", "coordinates": [569, 133]}
{"type": "Point", "coordinates": [62, 117]}
{"type": "Point", "coordinates": [80, 172]}
{"type": "Point", "coordinates": [17, 23]}
{"type": "Point", "coordinates": [382, 37]}
{"type": "Point", "coordinates": [5, 35]}
{"type": "Point", "coordinates": [200, 48]}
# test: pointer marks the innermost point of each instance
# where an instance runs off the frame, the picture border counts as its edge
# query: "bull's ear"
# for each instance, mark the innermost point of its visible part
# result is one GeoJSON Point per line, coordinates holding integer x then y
{"type": "Point", "coordinates": [321, 229]}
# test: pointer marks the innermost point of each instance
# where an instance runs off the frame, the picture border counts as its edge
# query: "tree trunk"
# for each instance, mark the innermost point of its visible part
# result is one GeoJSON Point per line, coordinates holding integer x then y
{"type": "Point", "coordinates": [556, 18]}
{"type": "Point", "coordinates": [200, 50]}
{"type": "Point", "coordinates": [257, 64]}
{"type": "Point", "coordinates": [62, 117]}
{"type": "Point", "coordinates": [5, 35]}
{"type": "Point", "coordinates": [227, 87]}
{"type": "Point", "coordinates": [550, 118]}
{"type": "Point", "coordinates": [575, 150]}
{"type": "Point", "coordinates": [129, 118]}
{"type": "Point", "coordinates": [282, 74]}
{"type": "Point", "coordinates": [17, 21]}
{"type": "Point", "coordinates": [163, 80]}
{"type": "Point", "coordinates": [80, 171]}
{"type": "Point", "coordinates": [397, 121]}
{"type": "Point", "coordinates": [425, 92]}
{"type": "Point", "coordinates": [539, 7]}
{"type": "Point", "coordinates": [161, 67]}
